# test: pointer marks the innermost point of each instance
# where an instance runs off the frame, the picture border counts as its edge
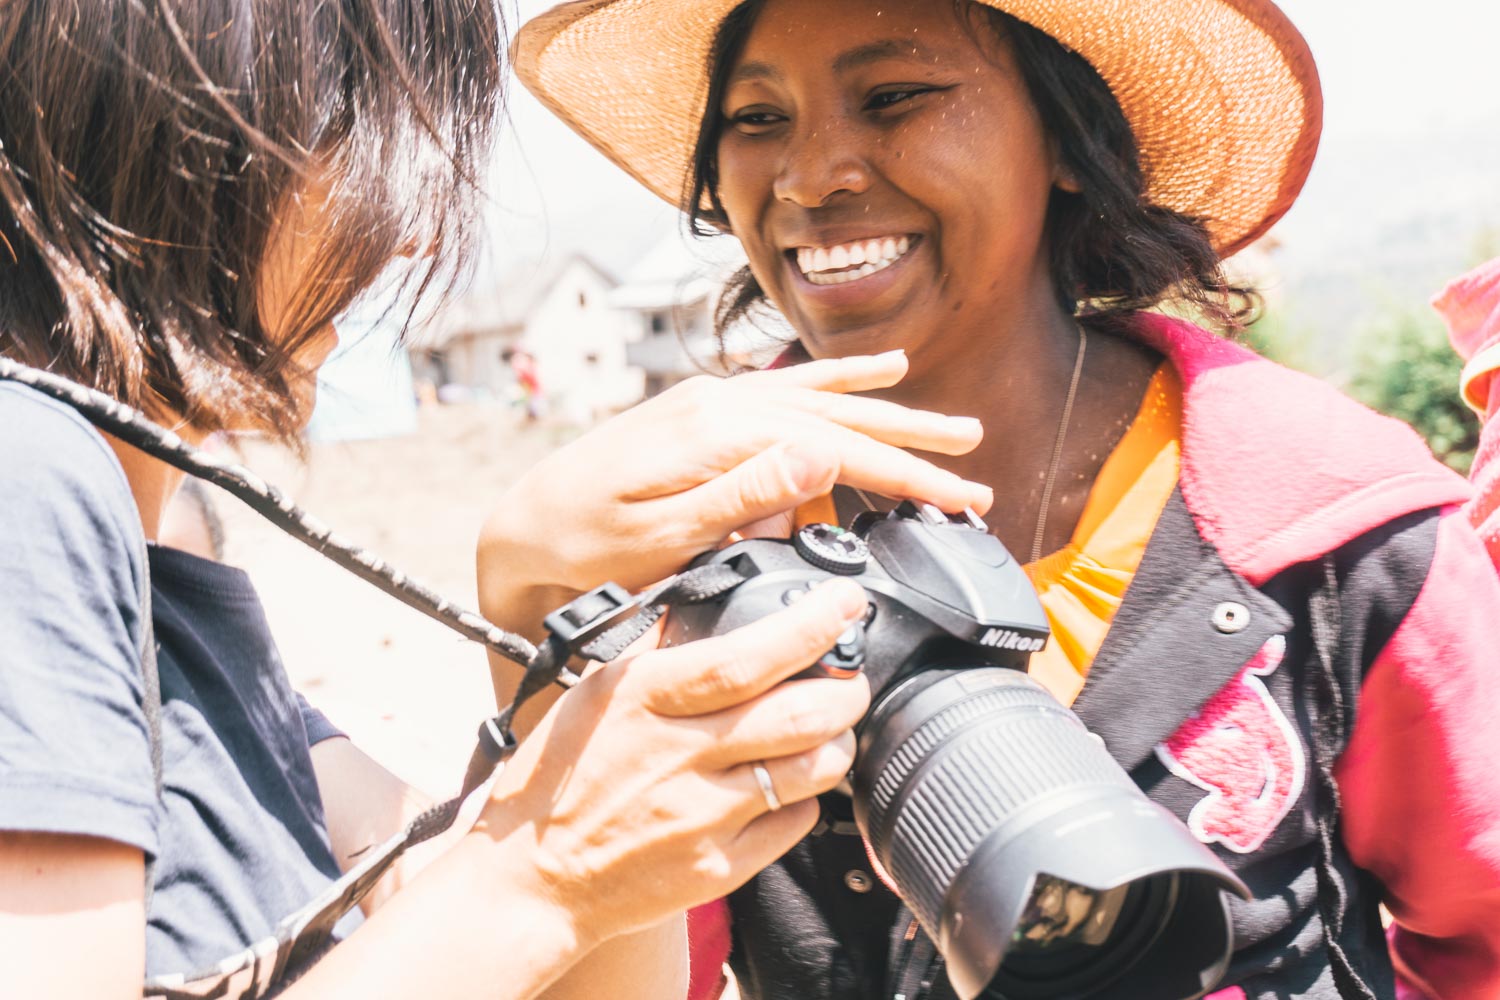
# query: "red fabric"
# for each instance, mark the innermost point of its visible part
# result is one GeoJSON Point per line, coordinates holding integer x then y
{"type": "Point", "coordinates": [1346, 468]}
{"type": "Point", "coordinates": [708, 950]}
{"type": "Point", "coordinates": [1421, 779]}
{"type": "Point", "coordinates": [1471, 308]}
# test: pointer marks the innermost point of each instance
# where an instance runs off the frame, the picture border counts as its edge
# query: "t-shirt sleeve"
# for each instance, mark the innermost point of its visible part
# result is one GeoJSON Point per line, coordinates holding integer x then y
{"type": "Point", "coordinates": [316, 723]}
{"type": "Point", "coordinates": [75, 756]}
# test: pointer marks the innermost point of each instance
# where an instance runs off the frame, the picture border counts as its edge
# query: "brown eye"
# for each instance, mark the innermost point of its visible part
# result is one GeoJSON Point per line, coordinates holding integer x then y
{"type": "Point", "coordinates": [755, 121]}
{"type": "Point", "coordinates": [891, 98]}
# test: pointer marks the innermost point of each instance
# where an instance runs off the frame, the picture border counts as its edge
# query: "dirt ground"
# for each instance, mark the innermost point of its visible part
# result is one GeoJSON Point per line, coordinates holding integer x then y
{"type": "Point", "coordinates": [407, 690]}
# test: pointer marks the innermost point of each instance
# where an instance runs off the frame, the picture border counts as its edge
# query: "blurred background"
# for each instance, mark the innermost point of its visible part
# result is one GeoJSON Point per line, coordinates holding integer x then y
{"type": "Point", "coordinates": [589, 297]}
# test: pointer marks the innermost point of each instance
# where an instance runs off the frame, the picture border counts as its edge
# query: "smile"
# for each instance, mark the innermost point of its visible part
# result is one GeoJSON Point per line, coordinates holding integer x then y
{"type": "Point", "coordinates": [839, 265]}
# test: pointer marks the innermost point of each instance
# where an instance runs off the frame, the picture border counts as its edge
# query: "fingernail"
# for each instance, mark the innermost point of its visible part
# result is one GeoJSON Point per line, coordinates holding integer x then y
{"type": "Point", "coordinates": [964, 425]}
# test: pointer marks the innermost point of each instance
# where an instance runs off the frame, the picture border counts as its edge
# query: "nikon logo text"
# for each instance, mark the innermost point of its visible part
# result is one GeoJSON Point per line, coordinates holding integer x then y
{"type": "Point", "coordinates": [1004, 638]}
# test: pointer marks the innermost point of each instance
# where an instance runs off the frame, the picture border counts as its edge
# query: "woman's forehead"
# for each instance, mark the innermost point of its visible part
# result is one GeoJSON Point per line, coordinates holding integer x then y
{"type": "Point", "coordinates": [849, 34]}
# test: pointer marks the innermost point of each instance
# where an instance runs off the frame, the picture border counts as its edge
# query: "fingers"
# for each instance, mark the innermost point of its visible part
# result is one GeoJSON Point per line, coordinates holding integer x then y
{"type": "Point", "coordinates": [713, 674]}
{"type": "Point", "coordinates": [799, 776]}
{"type": "Point", "coordinates": [772, 482]}
{"type": "Point", "coordinates": [767, 837]}
{"type": "Point", "coordinates": [873, 465]}
{"type": "Point", "coordinates": [856, 374]}
{"type": "Point", "coordinates": [792, 718]}
{"type": "Point", "coordinates": [895, 424]}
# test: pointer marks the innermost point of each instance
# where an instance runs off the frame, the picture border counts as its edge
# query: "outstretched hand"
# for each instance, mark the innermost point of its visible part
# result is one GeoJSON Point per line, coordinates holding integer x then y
{"type": "Point", "coordinates": [638, 497]}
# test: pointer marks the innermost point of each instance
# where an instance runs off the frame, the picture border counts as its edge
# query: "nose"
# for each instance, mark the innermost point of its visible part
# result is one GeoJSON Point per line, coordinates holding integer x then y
{"type": "Point", "coordinates": [820, 165]}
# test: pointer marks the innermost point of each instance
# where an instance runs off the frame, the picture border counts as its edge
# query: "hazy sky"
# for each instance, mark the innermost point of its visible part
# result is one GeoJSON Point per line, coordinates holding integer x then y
{"type": "Point", "coordinates": [1412, 129]}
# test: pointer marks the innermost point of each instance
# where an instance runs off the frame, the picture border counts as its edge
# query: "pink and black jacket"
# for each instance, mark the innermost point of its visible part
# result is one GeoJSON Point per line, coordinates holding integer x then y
{"type": "Point", "coordinates": [1339, 747]}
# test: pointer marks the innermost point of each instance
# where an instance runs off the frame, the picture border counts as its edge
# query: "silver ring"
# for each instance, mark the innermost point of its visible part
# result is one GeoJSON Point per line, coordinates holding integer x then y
{"type": "Point", "coordinates": [767, 789]}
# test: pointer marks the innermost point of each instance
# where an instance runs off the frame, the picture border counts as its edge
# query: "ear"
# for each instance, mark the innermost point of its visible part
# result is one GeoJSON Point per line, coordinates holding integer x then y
{"type": "Point", "coordinates": [1064, 179]}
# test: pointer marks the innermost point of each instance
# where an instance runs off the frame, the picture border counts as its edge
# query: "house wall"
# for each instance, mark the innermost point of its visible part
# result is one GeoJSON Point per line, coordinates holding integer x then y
{"type": "Point", "coordinates": [579, 345]}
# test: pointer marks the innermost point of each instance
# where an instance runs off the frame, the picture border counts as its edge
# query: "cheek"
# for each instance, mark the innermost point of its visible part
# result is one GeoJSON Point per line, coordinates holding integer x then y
{"type": "Point", "coordinates": [747, 180]}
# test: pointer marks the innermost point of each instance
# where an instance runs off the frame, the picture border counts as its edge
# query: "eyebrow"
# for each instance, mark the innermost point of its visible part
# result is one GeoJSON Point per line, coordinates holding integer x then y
{"type": "Point", "coordinates": [851, 60]}
{"type": "Point", "coordinates": [756, 71]}
{"type": "Point", "coordinates": [875, 51]}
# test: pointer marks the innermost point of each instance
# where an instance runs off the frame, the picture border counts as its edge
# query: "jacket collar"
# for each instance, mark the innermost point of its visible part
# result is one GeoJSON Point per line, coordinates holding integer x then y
{"type": "Point", "coordinates": [1321, 469]}
{"type": "Point", "coordinates": [1138, 691]}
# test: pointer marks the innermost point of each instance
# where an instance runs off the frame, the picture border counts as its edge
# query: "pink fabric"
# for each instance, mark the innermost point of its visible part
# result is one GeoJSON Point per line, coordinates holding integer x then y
{"type": "Point", "coordinates": [1428, 712]}
{"type": "Point", "coordinates": [1233, 993]}
{"type": "Point", "coordinates": [1242, 749]}
{"type": "Point", "coordinates": [708, 950]}
{"type": "Point", "coordinates": [1344, 468]}
{"type": "Point", "coordinates": [1471, 308]}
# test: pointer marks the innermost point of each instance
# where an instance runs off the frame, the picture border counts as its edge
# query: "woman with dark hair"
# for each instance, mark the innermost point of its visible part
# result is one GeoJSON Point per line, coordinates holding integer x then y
{"type": "Point", "coordinates": [1263, 598]}
{"type": "Point", "coordinates": [190, 193]}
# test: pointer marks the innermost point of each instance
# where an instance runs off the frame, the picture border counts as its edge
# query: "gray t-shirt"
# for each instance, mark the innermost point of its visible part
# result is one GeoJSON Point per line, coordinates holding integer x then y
{"type": "Point", "coordinates": [239, 835]}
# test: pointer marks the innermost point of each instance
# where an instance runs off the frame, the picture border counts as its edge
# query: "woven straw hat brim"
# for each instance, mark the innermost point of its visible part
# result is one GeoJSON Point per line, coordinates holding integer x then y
{"type": "Point", "coordinates": [1223, 95]}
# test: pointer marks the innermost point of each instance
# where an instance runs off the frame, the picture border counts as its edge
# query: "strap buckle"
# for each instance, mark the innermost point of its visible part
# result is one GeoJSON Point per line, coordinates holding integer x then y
{"type": "Point", "coordinates": [586, 618]}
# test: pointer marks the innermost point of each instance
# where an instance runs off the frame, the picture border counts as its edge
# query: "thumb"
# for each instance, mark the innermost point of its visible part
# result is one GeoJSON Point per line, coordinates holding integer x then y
{"type": "Point", "coordinates": [764, 486]}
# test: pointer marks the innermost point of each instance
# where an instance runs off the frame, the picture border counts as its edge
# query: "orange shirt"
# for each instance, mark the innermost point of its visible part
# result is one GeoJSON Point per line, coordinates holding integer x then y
{"type": "Point", "coordinates": [1081, 584]}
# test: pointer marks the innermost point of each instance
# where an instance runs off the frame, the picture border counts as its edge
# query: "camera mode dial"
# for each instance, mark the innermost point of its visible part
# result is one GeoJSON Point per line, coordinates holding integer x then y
{"type": "Point", "coordinates": [833, 549]}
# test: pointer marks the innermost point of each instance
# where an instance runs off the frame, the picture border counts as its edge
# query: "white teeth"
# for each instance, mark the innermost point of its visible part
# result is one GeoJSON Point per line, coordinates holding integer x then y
{"type": "Point", "coordinates": [850, 261]}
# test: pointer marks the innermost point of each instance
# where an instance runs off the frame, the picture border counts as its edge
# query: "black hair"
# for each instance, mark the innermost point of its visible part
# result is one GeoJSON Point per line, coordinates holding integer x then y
{"type": "Point", "coordinates": [151, 149]}
{"type": "Point", "coordinates": [1113, 252]}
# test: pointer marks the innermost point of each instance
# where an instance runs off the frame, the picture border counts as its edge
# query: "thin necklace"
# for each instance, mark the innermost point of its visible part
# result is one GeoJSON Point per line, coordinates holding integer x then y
{"type": "Point", "coordinates": [1057, 451]}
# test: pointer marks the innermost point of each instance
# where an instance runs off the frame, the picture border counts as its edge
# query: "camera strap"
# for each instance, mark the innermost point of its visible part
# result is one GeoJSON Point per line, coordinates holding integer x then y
{"type": "Point", "coordinates": [602, 623]}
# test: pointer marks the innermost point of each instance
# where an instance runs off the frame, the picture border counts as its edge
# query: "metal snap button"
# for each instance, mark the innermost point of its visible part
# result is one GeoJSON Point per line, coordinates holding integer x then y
{"type": "Point", "coordinates": [858, 881]}
{"type": "Point", "coordinates": [1231, 617]}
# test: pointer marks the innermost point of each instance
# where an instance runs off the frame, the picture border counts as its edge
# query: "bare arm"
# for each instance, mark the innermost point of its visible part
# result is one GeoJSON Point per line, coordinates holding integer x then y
{"type": "Point", "coordinates": [365, 804]}
{"type": "Point", "coordinates": [72, 911]}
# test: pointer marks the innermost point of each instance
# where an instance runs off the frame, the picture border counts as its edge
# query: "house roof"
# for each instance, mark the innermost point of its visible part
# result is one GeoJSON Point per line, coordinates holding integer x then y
{"type": "Point", "coordinates": [501, 305]}
{"type": "Point", "coordinates": [678, 272]}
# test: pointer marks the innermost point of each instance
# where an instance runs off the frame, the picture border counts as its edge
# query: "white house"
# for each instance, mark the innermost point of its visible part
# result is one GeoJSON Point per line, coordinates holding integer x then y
{"type": "Point", "coordinates": [560, 316]}
{"type": "Point", "coordinates": [669, 297]}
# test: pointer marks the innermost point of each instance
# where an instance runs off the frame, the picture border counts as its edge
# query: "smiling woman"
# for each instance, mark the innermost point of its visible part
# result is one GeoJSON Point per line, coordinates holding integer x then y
{"type": "Point", "coordinates": [1039, 128]}
{"type": "Point", "coordinates": [1247, 577]}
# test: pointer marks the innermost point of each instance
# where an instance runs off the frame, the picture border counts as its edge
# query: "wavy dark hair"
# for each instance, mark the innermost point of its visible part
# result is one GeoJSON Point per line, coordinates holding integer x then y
{"type": "Point", "coordinates": [1113, 253]}
{"type": "Point", "coordinates": [150, 148]}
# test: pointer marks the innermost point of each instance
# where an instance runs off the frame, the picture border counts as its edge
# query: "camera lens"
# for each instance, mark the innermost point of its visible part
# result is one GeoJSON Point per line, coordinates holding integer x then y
{"type": "Point", "coordinates": [1027, 853]}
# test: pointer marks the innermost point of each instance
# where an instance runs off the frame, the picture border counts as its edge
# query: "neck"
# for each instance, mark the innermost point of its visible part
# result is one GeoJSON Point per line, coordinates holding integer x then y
{"type": "Point", "coordinates": [1015, 376]}
{"type": "Point", "coordinates": [153, 482]}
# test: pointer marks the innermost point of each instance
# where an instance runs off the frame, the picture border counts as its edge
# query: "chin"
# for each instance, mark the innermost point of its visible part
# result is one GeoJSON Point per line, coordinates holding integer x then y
{"type": "Point", "coordinates": [825, 341]}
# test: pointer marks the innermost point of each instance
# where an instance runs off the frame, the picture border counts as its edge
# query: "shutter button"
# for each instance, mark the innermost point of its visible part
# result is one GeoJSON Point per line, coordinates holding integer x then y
{"type": "Point", "coordinates": [1231, 617]}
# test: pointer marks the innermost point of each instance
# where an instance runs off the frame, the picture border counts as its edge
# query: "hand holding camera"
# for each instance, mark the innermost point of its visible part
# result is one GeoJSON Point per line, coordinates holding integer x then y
{"type": "Point", "coordinates": [715, 735]}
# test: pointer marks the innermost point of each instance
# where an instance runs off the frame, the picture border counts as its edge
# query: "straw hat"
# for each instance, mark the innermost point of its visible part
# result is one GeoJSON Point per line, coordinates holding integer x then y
{"type": "Point", "coordinates": [1223, 95]}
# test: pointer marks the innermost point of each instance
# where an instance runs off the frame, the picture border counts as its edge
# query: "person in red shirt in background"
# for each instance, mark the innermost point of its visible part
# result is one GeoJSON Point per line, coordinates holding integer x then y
{"type": "Point", "coordinates": [1470, 305]}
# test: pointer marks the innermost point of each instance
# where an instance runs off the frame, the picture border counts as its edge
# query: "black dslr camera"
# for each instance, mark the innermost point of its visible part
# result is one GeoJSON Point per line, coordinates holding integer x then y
{"type": "Point", "coordinates": [1030, 858]}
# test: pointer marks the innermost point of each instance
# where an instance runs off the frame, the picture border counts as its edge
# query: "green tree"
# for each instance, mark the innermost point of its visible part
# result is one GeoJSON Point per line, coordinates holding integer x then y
{"type": "Point", "coordinates": [1407, 369]}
